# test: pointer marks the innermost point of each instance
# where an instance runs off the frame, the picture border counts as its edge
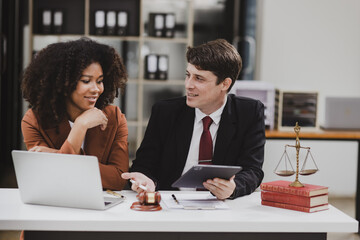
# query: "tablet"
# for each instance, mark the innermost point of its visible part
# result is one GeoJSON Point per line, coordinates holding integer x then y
{"type": "Point", "coordinates": [198, 174]}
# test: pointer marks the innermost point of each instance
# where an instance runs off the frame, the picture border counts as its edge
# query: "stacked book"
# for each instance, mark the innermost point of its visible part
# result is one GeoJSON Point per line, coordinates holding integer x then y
{"type": "Point", "coordinates": [310, 198]}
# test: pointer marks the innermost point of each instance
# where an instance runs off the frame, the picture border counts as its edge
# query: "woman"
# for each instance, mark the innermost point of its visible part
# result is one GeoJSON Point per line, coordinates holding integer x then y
{"type": "Point", "coordinates": [69, 87]}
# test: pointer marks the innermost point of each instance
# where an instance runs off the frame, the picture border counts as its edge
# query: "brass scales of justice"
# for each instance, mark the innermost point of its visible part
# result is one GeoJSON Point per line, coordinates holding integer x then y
{"type": "Point", "coordinates": [285, 157]}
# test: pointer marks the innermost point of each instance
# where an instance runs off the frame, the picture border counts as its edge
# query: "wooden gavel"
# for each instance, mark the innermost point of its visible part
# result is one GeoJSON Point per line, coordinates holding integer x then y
{"type": "Point", "coordinates": [149, 198]}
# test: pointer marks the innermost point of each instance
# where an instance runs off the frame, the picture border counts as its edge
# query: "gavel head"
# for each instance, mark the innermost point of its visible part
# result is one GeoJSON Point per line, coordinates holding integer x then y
{"type": "Point", "coordinates": [149, 198]}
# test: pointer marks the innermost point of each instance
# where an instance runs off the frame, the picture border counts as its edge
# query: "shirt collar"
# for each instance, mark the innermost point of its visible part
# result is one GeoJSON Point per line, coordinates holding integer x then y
{"type": "Point", "coordinates": [215, 116]}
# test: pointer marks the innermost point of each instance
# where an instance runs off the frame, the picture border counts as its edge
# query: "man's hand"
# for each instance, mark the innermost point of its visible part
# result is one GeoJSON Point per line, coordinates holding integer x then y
{"type": "Point", "coordinates": [139, 178]}
{"type": "Point", "coordinates": [221, 188]}
{"type": "Point", "coordinates": [43, 149]}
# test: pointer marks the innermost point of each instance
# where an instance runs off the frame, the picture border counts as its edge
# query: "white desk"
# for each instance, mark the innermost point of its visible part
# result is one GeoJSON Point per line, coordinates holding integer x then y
{"type": "Point", "coordinates": [246, 217]}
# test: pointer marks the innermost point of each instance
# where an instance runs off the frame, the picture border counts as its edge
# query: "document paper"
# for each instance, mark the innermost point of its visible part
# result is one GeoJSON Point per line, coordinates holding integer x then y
{"type": "Point", "coordinates": [193, 201]}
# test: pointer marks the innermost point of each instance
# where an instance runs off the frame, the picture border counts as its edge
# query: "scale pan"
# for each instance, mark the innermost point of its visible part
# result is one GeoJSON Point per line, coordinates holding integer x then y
{"type": "Point", "coordinates": [285, 172]}
{"type": "Point", "coordinates": [308, 171]}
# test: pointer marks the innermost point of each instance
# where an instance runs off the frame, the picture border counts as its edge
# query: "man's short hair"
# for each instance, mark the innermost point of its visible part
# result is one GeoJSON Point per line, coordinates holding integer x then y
{"type": "Point", "coordinates": [219, 57]}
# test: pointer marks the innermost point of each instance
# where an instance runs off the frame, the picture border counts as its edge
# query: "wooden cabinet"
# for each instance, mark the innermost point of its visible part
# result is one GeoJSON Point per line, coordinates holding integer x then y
{"type": "Point", "coordinates": [79, 21]}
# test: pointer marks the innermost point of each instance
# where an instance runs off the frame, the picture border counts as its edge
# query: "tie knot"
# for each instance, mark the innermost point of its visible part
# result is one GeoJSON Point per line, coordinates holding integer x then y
{"type": "Point", "coordinates": [207, 122]}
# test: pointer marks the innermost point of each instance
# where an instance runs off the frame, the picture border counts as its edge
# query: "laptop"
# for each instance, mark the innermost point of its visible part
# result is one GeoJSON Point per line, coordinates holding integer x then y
{"type": "Point", "coordinates": [342, 113]}
{"type": "Point", "coordinates": [63, 180]}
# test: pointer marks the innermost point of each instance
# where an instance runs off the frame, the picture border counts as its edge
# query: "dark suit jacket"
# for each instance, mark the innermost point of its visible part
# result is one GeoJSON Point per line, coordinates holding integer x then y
{"type": "Point", "coordinates": [109, 146]}
{"type": "Point", "coordinates": [240, 141]}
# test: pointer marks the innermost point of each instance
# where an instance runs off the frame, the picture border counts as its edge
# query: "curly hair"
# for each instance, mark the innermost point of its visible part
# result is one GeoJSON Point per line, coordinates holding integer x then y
{"type": "Point", "coordinates": [53, 74]}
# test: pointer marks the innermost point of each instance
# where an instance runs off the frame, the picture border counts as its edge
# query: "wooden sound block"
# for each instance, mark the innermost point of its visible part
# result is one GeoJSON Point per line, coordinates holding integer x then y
{"type": "Point", "coordinates": [141, 207]}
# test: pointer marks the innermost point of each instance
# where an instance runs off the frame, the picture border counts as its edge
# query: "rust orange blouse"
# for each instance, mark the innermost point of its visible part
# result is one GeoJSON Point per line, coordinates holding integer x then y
{"type": "Point", "coordinates": [109, 146]}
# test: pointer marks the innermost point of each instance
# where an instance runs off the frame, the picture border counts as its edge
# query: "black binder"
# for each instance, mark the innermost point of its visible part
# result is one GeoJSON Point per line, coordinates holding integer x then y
{"type": "Point", "coordinates": [46, 21]}
{"type": "Point", "coordinates": [122, 23]}
{"type": "Point", "coordinates": [110, 22]}
{"type": "Point", "coordinates": [163, 67]}
{"type": "Point", "coordinates": [58, 21]}
{"type": "Point", "coordinates": [99, 22]}
{"type": "Point", "coordinates": [156, 24]}
{"type": "Point", "coordinates": [169, 30]}
{"type": "Point", "coordinates": [151, 67]}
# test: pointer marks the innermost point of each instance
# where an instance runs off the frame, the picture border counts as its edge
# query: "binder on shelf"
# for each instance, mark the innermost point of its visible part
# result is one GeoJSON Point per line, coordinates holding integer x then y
{"type": "Point", "coordinates": [163, 66]}
{"type": "Point", "coordinates": [46, 21]}
{"type": "Point", "coordinates": [169, 25]}
{"type": "Point", "coordinates": [58, 21]}
{"type": "Point", "coordinates": [156, 24]}
{"type": "Point", "coordinates": [99, 22]}
{"type": "Point", "coordinates": [110, 22]}
{"type": "Point", "coordinates": [151, 66]}
{"type": "Point", "coordinates": [122, 23]}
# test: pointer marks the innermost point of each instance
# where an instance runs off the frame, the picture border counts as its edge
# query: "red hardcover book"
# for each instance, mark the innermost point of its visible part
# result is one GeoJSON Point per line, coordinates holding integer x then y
{"type": "Point", "coordinates": [294, 199]}
{"type": "Point", "coordinates": [295, 207]}
{"type": "Point", "coordinates": [283, 186]}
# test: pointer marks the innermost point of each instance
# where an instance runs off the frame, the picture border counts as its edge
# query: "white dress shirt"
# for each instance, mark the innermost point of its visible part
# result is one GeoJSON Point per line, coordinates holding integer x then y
{"type": "Point", "coordinates": [193, 155]}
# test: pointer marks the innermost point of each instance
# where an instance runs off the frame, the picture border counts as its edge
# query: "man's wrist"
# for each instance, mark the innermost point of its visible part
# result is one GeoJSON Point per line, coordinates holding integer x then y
{"type": "Point", "coordinates": [232, 196]}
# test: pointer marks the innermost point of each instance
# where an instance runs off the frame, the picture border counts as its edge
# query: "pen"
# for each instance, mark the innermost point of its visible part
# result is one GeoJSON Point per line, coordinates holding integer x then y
{"type": "Point", "coordinates": [115, 193]}
{"type": "Point", "coordinates": [173, 196]}
{"type": "Point", "coordinates": [140, 185]}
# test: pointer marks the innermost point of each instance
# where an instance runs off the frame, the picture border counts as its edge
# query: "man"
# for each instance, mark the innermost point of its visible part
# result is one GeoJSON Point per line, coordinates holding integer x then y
{"type": "Point", "coordinates": [172, 139]}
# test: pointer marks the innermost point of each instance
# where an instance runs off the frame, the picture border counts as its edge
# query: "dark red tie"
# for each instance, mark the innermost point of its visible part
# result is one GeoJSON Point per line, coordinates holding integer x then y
{"type": "Point", "coordinates": [206, 144]}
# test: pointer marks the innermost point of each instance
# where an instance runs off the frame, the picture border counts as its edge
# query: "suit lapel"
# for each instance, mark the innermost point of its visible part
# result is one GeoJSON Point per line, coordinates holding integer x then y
{"type": "Point", "coordinates": [184, 132]}
{"type": "Point", "coordinates": [58, 139]}
{"type": "Point", "coordinates": [225, 134]}
{"type": "Point", "coordinates": [96, 141]}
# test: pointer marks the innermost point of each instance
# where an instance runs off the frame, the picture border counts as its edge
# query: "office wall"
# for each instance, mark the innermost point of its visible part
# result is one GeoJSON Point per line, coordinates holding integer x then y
{"type": "Point", "coordinates": [310, 45]}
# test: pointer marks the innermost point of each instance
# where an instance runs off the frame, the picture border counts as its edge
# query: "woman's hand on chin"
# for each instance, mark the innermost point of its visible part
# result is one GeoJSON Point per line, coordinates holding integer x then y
{"type": "Point", "coordinates": [91, 118]}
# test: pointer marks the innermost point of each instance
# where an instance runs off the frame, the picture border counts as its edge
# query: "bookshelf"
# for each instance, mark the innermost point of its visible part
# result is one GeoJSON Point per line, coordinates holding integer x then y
{"type": "Point", "coordinates": [140, 94]}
